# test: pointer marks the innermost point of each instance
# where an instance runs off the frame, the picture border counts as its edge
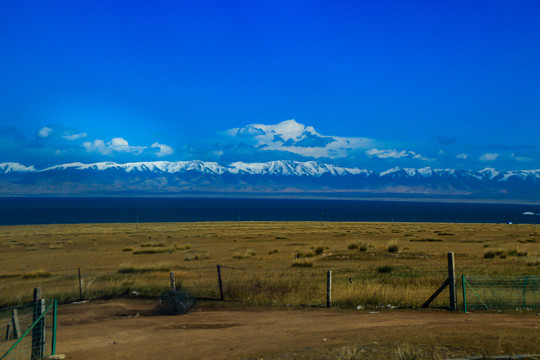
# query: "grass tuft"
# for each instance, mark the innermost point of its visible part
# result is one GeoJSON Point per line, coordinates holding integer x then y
{"type": "Point", "coordinates": [154, 244]}
{"type": "Point", "coordinates": [134, 269]}
{"type": "Point", "coordinates": [393, 247]}
{"type": "Point", "coordinates": [152, 251]}
{"type": "Point", "coordinates": [36, 274]}
{"type": "Point", "coordinates": [426, 240]}
{"type": "Point", "coordinates": [533, 260]}
{"type": "Point", "coordinates": [302, 263]}
{"type": "Point", "coordinates": [301, 255]}
{"type": "Point", "coordinates": [245, 255]}
{"type": "Point", "coordinates": [197, 257]}
{"type": "Point", "coordinates": [182, 247]}
{"type": "Point", "coordinates": [385, 269]}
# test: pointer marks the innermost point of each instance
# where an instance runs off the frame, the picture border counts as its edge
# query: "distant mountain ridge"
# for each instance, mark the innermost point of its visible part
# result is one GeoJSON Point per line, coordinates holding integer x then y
{"type": "Point", "coordinates": [273, 178]}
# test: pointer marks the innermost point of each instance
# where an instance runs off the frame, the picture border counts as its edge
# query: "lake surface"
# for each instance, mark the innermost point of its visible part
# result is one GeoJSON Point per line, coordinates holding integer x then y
{"type": "Point", "coordinates": [20, 211]}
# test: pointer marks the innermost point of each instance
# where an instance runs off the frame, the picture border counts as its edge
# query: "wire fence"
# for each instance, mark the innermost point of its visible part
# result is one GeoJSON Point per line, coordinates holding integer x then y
{"type": "Point", "coordinates": [28, 331]}
{"type": "Point", "coordinates": [364, 284]}
{"type": "Point", "coordinates": [396, 284]}
{"type": "Point", "coordinates": [501, 292]}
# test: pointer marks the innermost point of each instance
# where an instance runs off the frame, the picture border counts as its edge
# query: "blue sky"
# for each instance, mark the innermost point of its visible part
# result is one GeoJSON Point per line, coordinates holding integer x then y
{"type": "Point", "coordinates": [368, 84]}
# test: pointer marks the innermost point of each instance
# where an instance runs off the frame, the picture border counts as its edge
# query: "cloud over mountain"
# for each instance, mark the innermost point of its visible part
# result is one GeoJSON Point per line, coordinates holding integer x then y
{"type": "Point", "coordinates": [257, 142]}
{"type": "Point", "coordinates": [488, 157]}
{"type": "Point", "coordinates": [115, 145]}
{"type": "Point", "coordinates": [293, 137]}
{"type": "Point", "coordinates": [394, 154]}
{"type": "Point", "coordinates": [164, 150]}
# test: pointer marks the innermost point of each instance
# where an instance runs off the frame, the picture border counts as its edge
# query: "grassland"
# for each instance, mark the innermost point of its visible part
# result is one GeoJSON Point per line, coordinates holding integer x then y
{"type": "Point", "coordinates": [264, 263]}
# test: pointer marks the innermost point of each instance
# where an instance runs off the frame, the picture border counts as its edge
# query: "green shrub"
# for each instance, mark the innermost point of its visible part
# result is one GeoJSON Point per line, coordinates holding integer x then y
{"type": "Point", "coordinates": [517, 253]}
{"type": "Point", "coordinates": [152, 251]}
{"type": "Point", "coordinates": [154, 244]}
{"type": "Point", "coordinates": [385, 269]}
{"type": "Point", "coordinates": [300, 254]}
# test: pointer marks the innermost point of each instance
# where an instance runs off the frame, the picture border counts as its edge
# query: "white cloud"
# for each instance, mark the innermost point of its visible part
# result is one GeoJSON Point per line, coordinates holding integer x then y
{"type": "Point", "coordinates": [462, 156]}
{"type": "Point", "coordinates": [521, 158]}
{"type": "Point", "coordinates": [164, 150]}
{"type": "Point", "coordinates": [385, 154]}
{"type": "Point", "coordinates": [297, 138]}
{"type": "Point", "coordinates": [44, 132]}
{"type": "Point", "coordinates": [394, 154]}
{"type": "Point", "coordinates": [97, 146]}
{"type": "Point", "coordinates": [121, 145]}
{"type": "Point", "coordinates": [115, 145]}
{"type": "Point", "coordinates": [488, 157]}
{"type": "Point", "coordinates": [72, 137]}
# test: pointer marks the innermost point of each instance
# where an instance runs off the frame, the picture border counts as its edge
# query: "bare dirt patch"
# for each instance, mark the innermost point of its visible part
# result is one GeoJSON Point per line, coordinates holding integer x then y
{"type": "Point", "coordinates": [128, 329]}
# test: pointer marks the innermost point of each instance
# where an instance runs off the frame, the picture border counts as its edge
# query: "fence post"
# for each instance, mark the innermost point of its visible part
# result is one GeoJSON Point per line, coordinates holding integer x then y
{"type": "Point", "coordinates": [38, 332]}
{"type": "Point", "coordinates": [220, 282]}
{"type": "Point", "coordinates": [16, 333]}
{"type": "Point", "coordinates": [55, 324]}
{"type": "Point", "coordinates": [173, 281]}
{"type": "Point", "coordinates": [80, 285]}
{"type": "Point", "coordinates": [329, 288]}
{"type": "Point", "coordinates": [464, 294]}
{"type": "Point", "coordinates": [452, 281]}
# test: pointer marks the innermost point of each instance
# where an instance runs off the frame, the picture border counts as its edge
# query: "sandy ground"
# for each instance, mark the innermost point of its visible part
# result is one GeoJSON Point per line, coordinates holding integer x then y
{"type": "Point", "coordinates": [127, 329]}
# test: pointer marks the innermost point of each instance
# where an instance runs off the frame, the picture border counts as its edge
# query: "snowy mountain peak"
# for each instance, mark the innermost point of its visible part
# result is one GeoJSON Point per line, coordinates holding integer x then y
{"type": "Point", "coordinates": [277, 167]}
{"type": "Point", "coordinates": [273, 177]}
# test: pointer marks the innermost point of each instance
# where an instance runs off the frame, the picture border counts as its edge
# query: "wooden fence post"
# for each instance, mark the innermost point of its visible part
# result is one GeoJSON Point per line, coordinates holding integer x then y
{"type": "Point", "coordinates": [13, 330]}
{"type": "Point", "coordinates": [452, 281]}
{"type": "Point", "coordinates": [80, 285]}
{"type": "Point", "coordinates": [220, 282]}
{"type": "Point", "coordinates": [16, 326]}
{"type": "Point", "coordinates": [38, 332]}
{"type": "Point", "coordinates": [329, 288]}
{"type": "Point", "coordinates": [173, 281]}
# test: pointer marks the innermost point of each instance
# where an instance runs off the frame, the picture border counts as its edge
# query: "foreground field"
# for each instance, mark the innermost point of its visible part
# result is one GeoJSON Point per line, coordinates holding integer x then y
{"type": "Point", "coordinates": [127, 329]}
{"type": "Point", "coordinates": [274, 284]}
{"type": "Point", "coordinates": [265, 263]}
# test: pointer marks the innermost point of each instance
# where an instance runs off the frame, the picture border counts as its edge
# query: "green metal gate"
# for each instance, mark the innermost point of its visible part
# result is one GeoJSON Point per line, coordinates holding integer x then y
{"type": "Point", "coordinates": [501, 292]}
{"type": "Point", "coordinates": [28, 331]}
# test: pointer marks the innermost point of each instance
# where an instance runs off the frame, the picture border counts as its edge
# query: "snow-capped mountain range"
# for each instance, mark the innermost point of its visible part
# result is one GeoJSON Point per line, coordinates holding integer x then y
{"type": "Point", "coordinates": [270, 178]}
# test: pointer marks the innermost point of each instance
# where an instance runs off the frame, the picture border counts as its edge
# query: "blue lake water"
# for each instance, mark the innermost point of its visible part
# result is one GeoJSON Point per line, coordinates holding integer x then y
{"type": "Point", "coordinates": [18, 211]}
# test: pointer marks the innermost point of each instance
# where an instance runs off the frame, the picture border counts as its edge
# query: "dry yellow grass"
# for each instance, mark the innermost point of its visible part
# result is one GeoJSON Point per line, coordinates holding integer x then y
{"type": "Point", "coordinates": [259, 258]}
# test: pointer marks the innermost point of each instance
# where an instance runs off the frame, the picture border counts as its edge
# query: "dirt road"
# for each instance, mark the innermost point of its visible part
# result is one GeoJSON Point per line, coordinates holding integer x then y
{"type": "Point", "coordinates": [127, 329]}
